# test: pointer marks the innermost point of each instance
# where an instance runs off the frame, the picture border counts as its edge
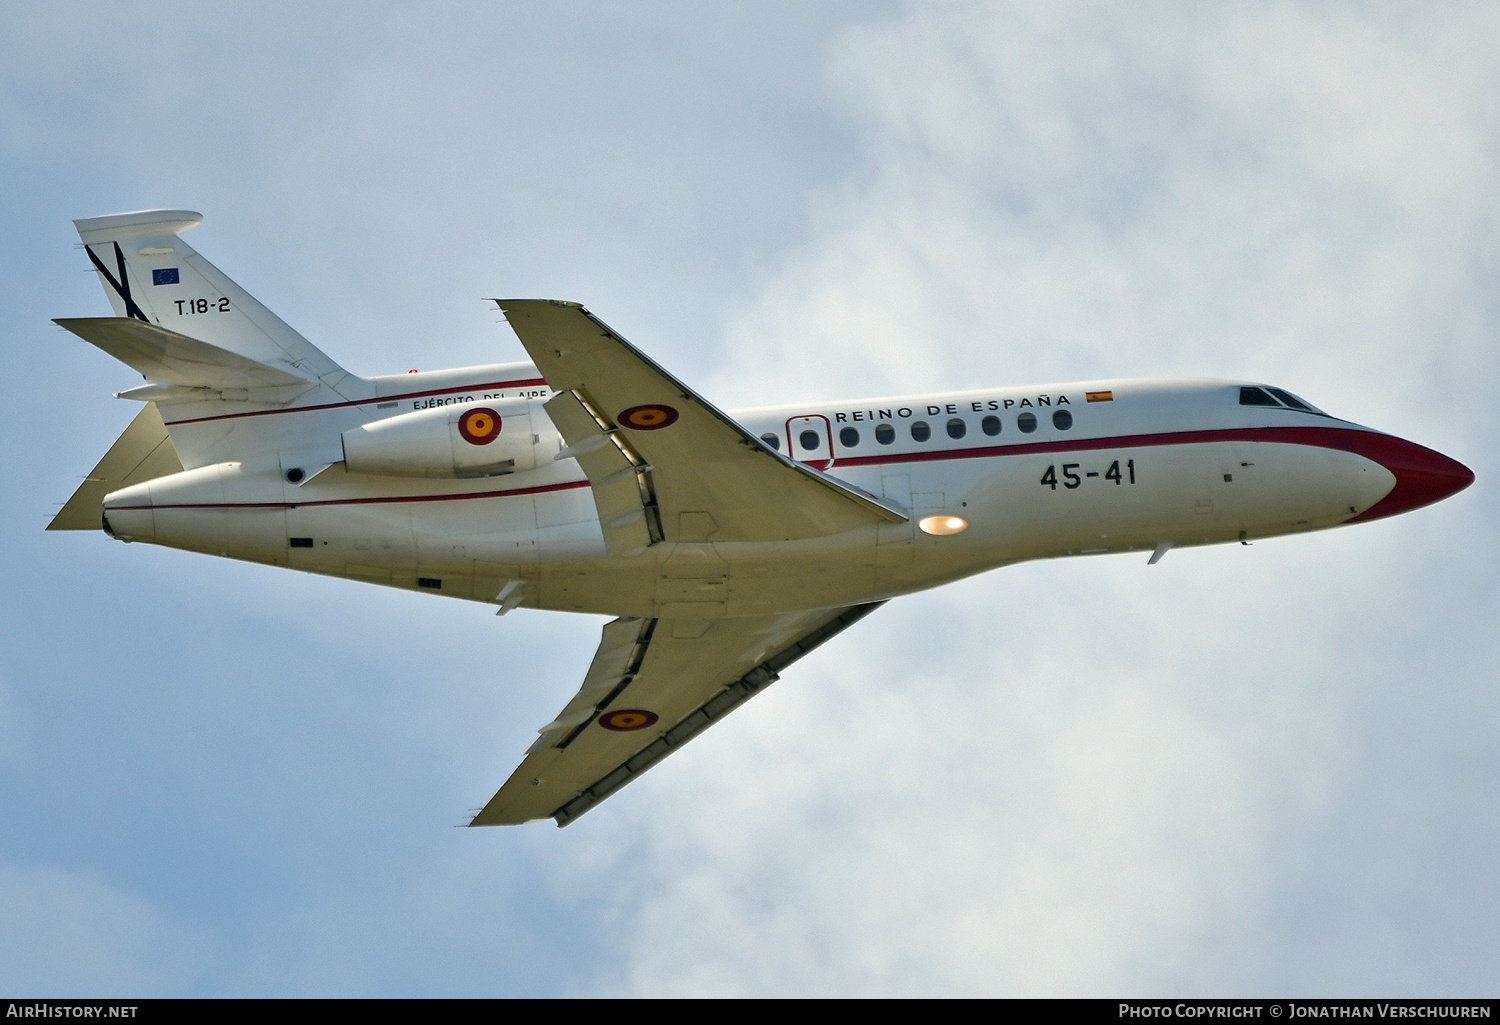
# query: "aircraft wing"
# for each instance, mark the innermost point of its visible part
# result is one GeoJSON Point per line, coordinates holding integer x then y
{"type": "Point", "coordinates": [664, 464]}
{"type": "Point", "coordinates": [654, 684]}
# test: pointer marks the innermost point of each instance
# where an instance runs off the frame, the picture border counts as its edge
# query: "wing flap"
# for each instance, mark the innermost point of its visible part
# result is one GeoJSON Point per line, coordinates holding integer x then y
{"type": "Point", "coordinates": [653, 686]}
{"type": "Point", "coordinates": [621, 650]}
{"type": "Point", "coordinates": [618, 477]}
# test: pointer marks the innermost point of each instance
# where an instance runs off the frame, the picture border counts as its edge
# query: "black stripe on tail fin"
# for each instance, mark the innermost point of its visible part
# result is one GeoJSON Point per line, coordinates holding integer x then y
{"type": "Point", "coordinates": [122, 286]}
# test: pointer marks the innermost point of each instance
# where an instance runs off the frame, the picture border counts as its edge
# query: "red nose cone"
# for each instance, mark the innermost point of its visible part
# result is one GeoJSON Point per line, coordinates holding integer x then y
{"type": "Point", "coordinates": [1422, 475]}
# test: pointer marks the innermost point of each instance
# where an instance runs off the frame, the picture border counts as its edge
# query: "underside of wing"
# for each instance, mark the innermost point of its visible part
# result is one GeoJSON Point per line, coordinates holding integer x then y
{"type": "Point", "coordinates": [654, 684]}
{"type": "Point", "coordinates": [665, 464]}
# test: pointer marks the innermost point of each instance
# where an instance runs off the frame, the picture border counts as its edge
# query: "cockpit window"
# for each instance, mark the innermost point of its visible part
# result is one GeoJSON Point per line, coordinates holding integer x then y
{"type": "Point", "coordinates": [1290, 399]}
{"type": "Point", "coordinates": [1277, 397]}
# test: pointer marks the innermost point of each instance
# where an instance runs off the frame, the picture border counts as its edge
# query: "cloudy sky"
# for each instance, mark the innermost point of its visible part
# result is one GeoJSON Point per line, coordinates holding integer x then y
{"type": "Point", "coordinates": [1262, 770]}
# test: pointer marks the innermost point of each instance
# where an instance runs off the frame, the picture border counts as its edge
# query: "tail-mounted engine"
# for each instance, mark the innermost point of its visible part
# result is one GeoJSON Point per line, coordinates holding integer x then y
{"type": "Point", "coordinates": [450, 441]}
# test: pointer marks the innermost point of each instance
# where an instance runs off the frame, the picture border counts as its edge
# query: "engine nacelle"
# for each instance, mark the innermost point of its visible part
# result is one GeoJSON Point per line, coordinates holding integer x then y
{"type": "Point", "coordinates": [479, 440]}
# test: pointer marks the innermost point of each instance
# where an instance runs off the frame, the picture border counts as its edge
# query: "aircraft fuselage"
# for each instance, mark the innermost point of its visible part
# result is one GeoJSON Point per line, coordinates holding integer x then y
{"type": "Point", "coordinates": [1033, 473]}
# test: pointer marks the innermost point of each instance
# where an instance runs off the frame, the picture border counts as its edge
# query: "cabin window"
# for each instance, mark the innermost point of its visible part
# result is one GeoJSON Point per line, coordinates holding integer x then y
{"type": "Point", "coordinates": [1062, 419]}
{"type": "Point", "coordinates": [809, 440]}
{"type": "Point", "coordinates": [885, 434]}
{"type": "Point", "coordinates": [1256, 397]}
{"type": "Point", "coordinates": [1026, 422]}
{"type": "Point", "coordinates": [849, 437]}
{"type": "Point", "coordinates": [957, 428]}
{"type": "Point", "coordinates": [772, 440]}
{"type": "Point", "coordinates": [990, 425]}
{"type": "Point", "coordinates": [920, 431]}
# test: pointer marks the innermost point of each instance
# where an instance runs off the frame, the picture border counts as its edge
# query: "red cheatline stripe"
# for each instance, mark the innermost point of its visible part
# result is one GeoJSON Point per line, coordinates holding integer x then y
{"type": "Point", "coordinates": [367, 501]}
{"type": "Point", "coordinates": [529, 382]}
{"type": "Point", "coordinates": [1370, 444]}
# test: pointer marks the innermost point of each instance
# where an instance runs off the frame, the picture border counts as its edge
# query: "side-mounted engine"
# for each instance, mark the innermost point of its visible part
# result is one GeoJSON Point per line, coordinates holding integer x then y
{"type": "Point", "coordinates": [452, 441]}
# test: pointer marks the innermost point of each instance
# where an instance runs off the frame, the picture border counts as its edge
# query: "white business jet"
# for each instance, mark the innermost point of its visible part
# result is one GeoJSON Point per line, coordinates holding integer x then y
{"type": "Point", "coordinates": [591, 480]}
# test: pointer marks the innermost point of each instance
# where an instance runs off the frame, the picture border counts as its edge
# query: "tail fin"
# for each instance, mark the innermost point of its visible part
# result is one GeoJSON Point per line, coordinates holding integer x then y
{"type": "Point", "coordinates": [149, 274]}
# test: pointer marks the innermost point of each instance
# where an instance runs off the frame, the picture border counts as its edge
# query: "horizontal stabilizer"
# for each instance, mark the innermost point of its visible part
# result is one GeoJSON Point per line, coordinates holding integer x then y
{"type": "Point", "coordinates": [172, 358]}
{"type": "Point", "coordinates": [144, 452]}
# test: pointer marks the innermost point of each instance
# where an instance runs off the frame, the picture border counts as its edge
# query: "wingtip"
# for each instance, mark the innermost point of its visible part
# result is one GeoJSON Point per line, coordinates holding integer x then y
{"type": "Point", "coordinates": [506, 304]}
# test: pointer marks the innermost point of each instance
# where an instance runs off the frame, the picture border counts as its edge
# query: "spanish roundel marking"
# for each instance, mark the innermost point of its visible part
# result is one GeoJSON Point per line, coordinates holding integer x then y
{"type": "Point", "coordinates": [479, 426]}
{"type": "Point", "coordinates": [649, 418]}
{"type": "Point", "coordinates": [625, 719]}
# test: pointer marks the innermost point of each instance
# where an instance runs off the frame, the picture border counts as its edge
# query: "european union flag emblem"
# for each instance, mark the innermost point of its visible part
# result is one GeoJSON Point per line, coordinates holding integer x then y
{"type": "Point", "coordinates": [165, 276]}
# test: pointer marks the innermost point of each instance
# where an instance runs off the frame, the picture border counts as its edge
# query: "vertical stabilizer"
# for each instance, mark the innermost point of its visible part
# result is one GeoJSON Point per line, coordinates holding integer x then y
{"type": "Point", "coordinates": [150, 274]}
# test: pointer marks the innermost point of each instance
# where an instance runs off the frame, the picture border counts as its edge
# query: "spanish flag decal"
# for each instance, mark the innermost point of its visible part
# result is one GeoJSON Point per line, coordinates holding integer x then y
{"type": "Point", "coordinates": [626, 719]}
{"type": "Point", "coordinates": [1101, 396]}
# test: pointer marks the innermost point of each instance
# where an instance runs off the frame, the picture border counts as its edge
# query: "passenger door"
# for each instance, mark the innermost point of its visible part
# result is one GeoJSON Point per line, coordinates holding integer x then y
{"type": "Point", "coordinates": [809, 439]}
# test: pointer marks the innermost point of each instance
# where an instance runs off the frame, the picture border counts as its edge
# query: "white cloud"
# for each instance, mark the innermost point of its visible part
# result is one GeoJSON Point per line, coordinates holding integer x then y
{"type": "Point", "coordinates": [1068, 778]}
{"type": "Point", "coordinates": [1029, 783]}
{"type": "Point", "coordinates": [1080, 190]}
{"type": "Point", "coordinates": [1241, 769]}
{"type": "Point", "coordinates": [69, 933]}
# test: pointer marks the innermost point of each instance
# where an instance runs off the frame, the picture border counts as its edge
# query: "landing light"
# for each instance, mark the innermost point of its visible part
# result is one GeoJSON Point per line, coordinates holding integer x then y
{"type": "Point", "coordinates": [943, 524]}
